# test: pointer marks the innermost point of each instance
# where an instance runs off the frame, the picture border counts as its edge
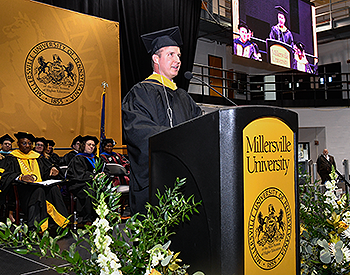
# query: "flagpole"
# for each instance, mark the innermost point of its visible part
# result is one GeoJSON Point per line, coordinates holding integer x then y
{"type": "Point", "coordinates": [104, 84]}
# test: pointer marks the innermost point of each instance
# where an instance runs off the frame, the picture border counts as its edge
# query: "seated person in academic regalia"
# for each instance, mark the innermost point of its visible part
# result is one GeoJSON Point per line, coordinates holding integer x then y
{"type": "Point", "coordinates": [53, 157]}
{"type": "Point", "coordinates": [6, 147]}
{"type": "Point", "coordinates": [81, 169]}
{"type": "Point", "coordinates": [25, 168]}
{"type": "Point", "coordinates": [242, 46]}
{"type": "Point", "coordinates": [109, 156]}
{"type": "Point", "coordinates": [300, 61]}
{"type": "Point", "coordinates": [65, 160]}
{"type": "Point", "coordinates": [41, 147]}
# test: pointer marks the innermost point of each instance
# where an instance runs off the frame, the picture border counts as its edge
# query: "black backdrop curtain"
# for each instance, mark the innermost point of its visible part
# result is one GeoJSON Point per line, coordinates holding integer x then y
{"type": "Point", "coordinates": [138, 17]}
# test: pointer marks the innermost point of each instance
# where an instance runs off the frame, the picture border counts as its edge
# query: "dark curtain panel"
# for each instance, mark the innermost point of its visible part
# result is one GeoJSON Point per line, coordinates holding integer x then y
{"type": "Point", "coordinates": [138, 17]}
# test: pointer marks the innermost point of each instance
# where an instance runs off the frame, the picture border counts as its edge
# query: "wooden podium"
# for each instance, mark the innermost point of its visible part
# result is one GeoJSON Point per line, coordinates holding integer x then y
{"type": "Point", "coordinates": [241, 163]}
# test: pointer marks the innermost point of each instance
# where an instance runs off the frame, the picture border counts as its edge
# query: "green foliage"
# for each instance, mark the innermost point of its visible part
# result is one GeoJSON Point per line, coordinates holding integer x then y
{"type": "Point", "coordinates": [144, 231]}
{"type": "Point", "coordinates": [154, 228]}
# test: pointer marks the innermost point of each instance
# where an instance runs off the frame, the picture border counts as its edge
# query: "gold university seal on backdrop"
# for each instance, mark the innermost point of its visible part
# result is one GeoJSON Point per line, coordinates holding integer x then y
{"type": "Point", "coordinates": [54, 73]}
{"type": "Point", "coordinates": [269, 197]}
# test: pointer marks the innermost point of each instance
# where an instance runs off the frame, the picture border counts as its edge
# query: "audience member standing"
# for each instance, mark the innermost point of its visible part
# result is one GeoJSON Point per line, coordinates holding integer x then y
{"type": "Point", "coordinates": [324, 165]}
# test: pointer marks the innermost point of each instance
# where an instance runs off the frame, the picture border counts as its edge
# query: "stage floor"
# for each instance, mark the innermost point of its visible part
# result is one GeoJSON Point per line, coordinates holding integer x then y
{"type": "Point", "coordinates": [13, 263]}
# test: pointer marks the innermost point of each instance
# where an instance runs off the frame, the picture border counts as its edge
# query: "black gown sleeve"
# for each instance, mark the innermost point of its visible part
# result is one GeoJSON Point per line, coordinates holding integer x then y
{"type": "Point", "coordinates": [65, 160]}
{"type": "Point", "coordinates": [12, 171]}
{"type": "Point", "coordinates": [79, 171]}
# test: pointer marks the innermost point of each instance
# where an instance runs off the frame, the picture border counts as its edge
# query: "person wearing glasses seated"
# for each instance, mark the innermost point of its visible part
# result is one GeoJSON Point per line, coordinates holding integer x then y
{"type": "Point", "coordinates": [26, 168]}
{"type": "Point", "coordinates": [6, 146]}
{"type": "Point", "coordinates": [81, 169]}
{"type": "Point", "coordinates": [108, 156]}
{"type": "Point", "coordinates": [41, 146]}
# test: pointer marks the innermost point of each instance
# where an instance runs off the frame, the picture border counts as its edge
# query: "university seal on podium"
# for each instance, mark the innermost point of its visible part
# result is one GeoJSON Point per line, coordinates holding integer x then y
{"type": "Point", "coordinates": [54, 73]}
{"type": "Point", "coordinates": [270, 226]}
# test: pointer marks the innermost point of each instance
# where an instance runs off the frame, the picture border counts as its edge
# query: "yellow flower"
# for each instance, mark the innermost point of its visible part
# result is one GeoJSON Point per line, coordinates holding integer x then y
{"type": "Point", "coordinates": [155, 272]}
{"type": "Point", "coordinates": [343, 225]}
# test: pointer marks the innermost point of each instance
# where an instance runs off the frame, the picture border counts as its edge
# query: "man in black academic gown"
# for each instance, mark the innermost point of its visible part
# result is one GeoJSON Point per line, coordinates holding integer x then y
{"type": "Point", "coordinates": [25, 168]}
{"type": "Point", "coordinates": [53, 157]}
{"type": "Point", "coordinates": [6, 147]}
{"type": "Point", "coordinates": [152, 106]}
{"type": "Point", "coordinates": [280, 32]}
{"type": "Point", "coordinates": [65, 160]}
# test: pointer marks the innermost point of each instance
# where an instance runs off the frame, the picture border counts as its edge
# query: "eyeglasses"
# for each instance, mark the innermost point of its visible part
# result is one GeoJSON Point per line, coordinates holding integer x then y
{"type": "Point", "coordinates": [26, 143]}
{"type": "Point", "coordinates": [39, 145]}
{"type": "Point", "coordinates": [91, 144]}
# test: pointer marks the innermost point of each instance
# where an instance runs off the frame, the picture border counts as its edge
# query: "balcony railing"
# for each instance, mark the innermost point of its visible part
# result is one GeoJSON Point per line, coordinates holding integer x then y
{"type": "Point", "coordinates": [332, 15]}
{"type": "Point", "coordinates": [292, 89]}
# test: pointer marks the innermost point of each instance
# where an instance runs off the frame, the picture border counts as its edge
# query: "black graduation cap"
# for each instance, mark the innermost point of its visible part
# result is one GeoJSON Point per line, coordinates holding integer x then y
{"type": "Point", "coordinates": [280, 9]}
{"type": "Point", "coordinates": [76, 139]}
{"type": "Point", "coordinates": [164, 38]}
{"type": "Point", "coordinates": [42, 139]}
{"type": "Point", "coordinates": [6, 137]}
{"type": "Point", "coordinates": [242, 24]}
{"type": "Point", "coordinates": [300, 45]}
{"type": "Point", "coordinates": [87, 137]}
{"type": "Point", "coordinates": [20, 135]}
{"type": "Point", "coordinates": [50, 142]}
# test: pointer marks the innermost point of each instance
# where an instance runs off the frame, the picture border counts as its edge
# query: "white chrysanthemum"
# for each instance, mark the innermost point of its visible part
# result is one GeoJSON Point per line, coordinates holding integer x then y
{"type": "Point", "coordinates": [332, 202]}
{"type": "Point", "coordinates": [346, 217]}
{"type": "Point", "coordinates": [346, 233]}
{"type": "Point", "coordinates": [102, 211]}
{"type": "Point", "coordinates": [328, 200]}
{"type": "Point", "coordinates": [107, 241]}
{"type": "Point", "coordinates": [330, 185]}
{"type": "Point", "coordinates": [331, 249]}
{"type": "Point", "coordinates": [346, 252]}
{"type": "Point", "coordinates": [155, 261]}
{"type": "Point", "coordinates": [102, 260]}
{"type": "Point", "coordinates": [95, 223]}
{"type": "Point", "coordinates": [330, 194]}
{"type": "Point", "coordinates": [115, 265]}
{"type": "Point", "coordinates": [104, 224]}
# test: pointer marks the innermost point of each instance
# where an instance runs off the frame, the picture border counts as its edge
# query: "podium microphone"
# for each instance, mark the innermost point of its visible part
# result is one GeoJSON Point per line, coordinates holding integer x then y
{"type": "Point", "coordinates": [188, 75]}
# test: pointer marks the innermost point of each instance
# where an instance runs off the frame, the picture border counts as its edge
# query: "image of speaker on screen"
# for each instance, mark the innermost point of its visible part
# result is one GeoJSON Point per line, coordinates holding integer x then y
{"type": "Point", "coordinates": [280, 31]}
{"type": "Point", "coordinates": [243, 46]}
{"type": "Point", "coordinates": [300, 61]}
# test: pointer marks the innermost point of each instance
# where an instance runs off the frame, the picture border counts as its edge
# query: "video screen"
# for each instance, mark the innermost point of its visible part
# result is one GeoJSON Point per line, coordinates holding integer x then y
{"type": "Point", "coordinates": [281, 32]}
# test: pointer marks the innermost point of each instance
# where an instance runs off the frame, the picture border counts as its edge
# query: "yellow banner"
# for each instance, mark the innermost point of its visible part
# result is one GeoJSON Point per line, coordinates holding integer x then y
{"type": "Point", "coordinates": [53, 62]}
{"type": "Point", "coordinates": [269, 197]}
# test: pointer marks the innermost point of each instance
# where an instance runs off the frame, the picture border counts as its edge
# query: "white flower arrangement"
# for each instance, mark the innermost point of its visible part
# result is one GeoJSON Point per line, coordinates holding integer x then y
{"type": "Point", "coordinates": [106, 259]}
{"type": "Point", "coordinates": [325, 238]}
